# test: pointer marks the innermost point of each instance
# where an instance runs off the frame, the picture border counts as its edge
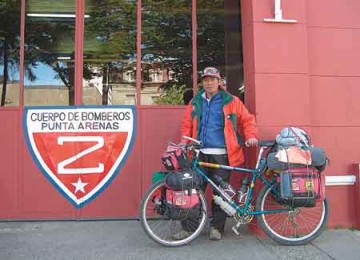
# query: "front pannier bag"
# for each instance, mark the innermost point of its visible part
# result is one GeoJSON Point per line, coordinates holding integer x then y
{"type": "Point", "coordinates": [301, 187]}
{"type": "Point", "coordinates": [182, 204]}
{"type": "Point", "coordinates": [175, 158]}
{"type": "Point", "coordinates": [182, 195]}
{"type": "Point", "coordinates": [183, 180]}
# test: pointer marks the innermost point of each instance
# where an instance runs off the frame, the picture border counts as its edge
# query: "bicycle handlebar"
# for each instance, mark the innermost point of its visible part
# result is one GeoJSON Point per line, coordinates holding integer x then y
{"type": "Point", "coordinates": [267, 143]}
{"type": "Point", "coordinates": [191, 139]}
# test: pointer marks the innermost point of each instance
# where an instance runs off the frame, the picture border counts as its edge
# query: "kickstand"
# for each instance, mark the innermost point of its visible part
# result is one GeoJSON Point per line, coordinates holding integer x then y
{"type": "Point", "coordinates": [235, 228]}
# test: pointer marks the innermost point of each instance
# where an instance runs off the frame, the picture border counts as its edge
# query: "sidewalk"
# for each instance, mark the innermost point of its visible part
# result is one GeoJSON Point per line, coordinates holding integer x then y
{"type": "Point", "coordinates": [126, 240]}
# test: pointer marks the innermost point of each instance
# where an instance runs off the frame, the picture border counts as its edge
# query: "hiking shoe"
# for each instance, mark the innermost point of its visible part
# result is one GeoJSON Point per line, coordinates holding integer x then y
{"type": "Point", "coordinates": [214, 234]}
{"type": "Point", "coordinates": [182, 234]}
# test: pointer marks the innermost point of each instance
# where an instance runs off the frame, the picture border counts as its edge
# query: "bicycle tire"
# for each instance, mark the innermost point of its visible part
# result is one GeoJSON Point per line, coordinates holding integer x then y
{"type": "Point", "coordinates": [298, 226]}
{"type": "Point", "coordinates": [149, 216]}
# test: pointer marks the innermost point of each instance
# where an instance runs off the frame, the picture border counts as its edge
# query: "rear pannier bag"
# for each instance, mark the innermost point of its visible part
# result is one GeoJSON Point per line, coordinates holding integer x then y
{"type": "Point", "coordinates": [318, 160]}
{"type": "Point", "coordinates": [183, 180]}
{"type": "Point", "coordinates": [301, 187]}
{"type": "Point", "coordinates": [175, 158]}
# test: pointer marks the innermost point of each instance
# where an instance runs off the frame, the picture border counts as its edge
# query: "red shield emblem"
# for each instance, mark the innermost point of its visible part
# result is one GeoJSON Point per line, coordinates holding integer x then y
{"type": "Point", "coordinates": [80, 150]}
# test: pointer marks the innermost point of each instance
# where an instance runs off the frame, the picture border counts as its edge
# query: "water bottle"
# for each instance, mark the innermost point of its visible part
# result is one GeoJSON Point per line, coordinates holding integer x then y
{"type": "Point", "coordinates": [226, 207]}
{"type": "Point", "coordinates": [242, 193]}
{"type": "Point", "coordinates": [225, 186]}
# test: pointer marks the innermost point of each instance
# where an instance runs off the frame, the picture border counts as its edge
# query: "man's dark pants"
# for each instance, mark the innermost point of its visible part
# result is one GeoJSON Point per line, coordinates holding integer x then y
{"type": "Point", "coordinates": [218, 215]}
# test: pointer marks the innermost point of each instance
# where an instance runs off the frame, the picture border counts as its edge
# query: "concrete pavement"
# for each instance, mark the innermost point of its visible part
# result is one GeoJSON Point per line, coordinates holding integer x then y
{"type": "Point", "coordinates": [125, 239]}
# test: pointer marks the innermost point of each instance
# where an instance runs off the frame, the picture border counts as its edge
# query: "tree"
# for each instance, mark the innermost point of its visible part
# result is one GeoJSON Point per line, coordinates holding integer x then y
{"type": "Point", "coordinates": [167, 36]}
{"type": "Point", "coordinates": [110, 38]}
{"type": "Point", "coordinates": [9, 41]}
{"type": "Point", "coordinates": [173, 96]}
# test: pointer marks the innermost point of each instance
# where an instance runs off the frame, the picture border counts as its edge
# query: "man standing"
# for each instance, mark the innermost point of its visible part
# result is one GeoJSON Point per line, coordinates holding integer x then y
{"type": "Point", "coordinates": [222, 123]}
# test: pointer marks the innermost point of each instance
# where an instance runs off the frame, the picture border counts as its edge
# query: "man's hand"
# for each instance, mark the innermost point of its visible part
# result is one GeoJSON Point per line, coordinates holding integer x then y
{"type": "Point", "coordinates": [251, 142]}
{"type": "Point", "coordinates": [182, 145]}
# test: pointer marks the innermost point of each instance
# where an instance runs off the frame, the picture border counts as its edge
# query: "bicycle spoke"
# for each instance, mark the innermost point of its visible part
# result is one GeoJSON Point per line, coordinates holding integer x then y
{"type": "Point", "coordinates": [161, 223]}
{"type": "Point", "coordinates": [295, 227]}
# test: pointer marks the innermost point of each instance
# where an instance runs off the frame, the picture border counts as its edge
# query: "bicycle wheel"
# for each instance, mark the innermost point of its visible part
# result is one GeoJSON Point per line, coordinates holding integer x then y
{"type": "Point", "coordinates": [161, 227]}
{"type": "Point", "coordinates": [297, 226]}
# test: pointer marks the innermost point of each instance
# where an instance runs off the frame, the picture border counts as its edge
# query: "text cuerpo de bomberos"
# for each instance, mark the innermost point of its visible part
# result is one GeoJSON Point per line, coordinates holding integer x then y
{"type": "Point", "coordinates": [80, 120]}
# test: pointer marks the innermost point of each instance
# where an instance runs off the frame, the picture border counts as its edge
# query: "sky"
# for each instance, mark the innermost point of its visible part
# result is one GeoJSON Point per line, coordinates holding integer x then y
{"type": "Point", "coordinates": [45, 76]}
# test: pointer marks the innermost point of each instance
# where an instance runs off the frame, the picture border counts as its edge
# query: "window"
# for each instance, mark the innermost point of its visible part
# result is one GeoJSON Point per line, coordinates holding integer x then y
{"type": "Point", "coordinates": [219, 40]}
{"type": "Point", "coordinates": [166, 42]}
{"type": "Point", "coordinates": [109, 52]}
{"type": "Point", "coordinates": [9, 52]}
{"type": "Point", "coordinates": [49, 52]}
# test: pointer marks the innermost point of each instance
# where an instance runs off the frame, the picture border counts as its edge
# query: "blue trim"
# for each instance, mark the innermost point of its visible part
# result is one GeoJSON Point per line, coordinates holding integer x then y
{"type": "Point", "coordinates": [47, 175]}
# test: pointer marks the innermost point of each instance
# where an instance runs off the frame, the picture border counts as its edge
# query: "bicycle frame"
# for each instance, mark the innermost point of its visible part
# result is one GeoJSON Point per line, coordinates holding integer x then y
{"type": "Point", "coordinates": [256, 173]}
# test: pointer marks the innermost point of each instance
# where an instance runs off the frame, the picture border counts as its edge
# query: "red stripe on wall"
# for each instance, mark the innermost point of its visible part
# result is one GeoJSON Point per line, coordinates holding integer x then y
{"type": "Point", "coordinates": [138, 54]}
{"type": "Point", "coordinates": [194, 45]}
{"type": "Point", "coordinates": [79, 41]}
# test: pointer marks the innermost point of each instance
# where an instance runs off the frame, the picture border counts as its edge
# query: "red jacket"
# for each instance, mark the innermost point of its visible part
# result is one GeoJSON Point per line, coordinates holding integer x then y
{"type": "Point", "coordinates": [239, 124]}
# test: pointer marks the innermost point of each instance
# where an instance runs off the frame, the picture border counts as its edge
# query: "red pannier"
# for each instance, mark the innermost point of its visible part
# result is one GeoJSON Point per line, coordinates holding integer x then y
{"type": "Point", "coordinates": [302, 186]}
{"type": "Point", "coordinates": [175, 158]}
{"type": "Point", "coordinates": [183, 180]}
{"type": "Point", "coordinates": [184, 199]}
{"type": "Point", "coordinates": [183, 204]}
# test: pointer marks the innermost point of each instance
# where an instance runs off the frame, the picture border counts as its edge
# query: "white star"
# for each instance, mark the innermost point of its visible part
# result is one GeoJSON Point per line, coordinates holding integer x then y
{"type": "Point", "coordinates": [79, 185]}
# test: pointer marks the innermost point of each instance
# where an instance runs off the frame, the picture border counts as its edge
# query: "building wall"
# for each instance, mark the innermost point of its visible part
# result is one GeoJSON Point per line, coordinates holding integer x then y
{"type": "Point", "coordinates": [306, 74]}
{"type": "Point", "coordinates": [28, 194]}
{"type": "Point", "coordinates": [302, 74]}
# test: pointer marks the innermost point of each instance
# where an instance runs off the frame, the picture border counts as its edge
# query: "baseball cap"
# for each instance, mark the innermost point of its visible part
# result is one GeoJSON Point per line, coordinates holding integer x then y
{"type": "Point", "coordinates": [211, 72]}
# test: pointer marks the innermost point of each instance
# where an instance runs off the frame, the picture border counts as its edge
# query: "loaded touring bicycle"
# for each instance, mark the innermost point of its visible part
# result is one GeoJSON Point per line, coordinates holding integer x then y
{"type": "Point", "coordinates": [290, 204]}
